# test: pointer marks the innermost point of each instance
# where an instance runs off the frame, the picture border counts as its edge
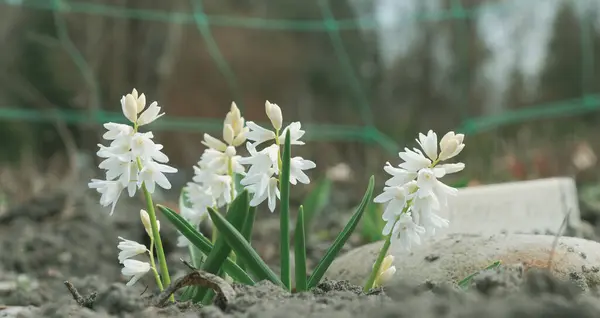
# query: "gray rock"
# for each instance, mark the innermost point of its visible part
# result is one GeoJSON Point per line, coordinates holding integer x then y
{"type": "Point", "coordinates": [450, 258]}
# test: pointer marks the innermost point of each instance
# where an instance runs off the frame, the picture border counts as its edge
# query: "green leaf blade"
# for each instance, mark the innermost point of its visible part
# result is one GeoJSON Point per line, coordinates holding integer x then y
{"type": "Point", "coordinates": [284, 216]}
{"type": "Point", "coordinates": [238, 243]}
{"type": "Point", "coordinates": [300, 252]}
{"type": "Point", "coordinates": [247, 230]}
{"type": "Point", "coordinates": [341, 239]}
{"type": "Point", "coordinates": [203, 244]}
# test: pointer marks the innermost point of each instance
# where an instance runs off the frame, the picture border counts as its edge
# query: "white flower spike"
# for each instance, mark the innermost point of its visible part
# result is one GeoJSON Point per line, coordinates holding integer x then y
{"type": "Point", "coordinates": [132, 157]}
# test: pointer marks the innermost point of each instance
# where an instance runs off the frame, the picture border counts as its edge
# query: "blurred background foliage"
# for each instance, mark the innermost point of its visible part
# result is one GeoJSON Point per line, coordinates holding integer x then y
{"type": "Point", "coordinates": [520, 78]}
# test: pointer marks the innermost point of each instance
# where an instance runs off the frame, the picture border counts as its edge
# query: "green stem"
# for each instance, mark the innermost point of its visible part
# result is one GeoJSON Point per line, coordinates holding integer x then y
{"type": "Point", "coordinates": [377, 266]}
{"type": "Point", "coordinates": [153, 264]}
{"type": "Point", "coordinates": [162, 260]}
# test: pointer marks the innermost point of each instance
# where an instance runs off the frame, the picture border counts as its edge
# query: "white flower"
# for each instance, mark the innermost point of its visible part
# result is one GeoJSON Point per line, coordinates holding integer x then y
{"type": "Point", "coordinates": [200, 199]}
{"type": "Point", "coordinates": [297, 165]}
{"type": "Point", "coordinates": [429, 144]}
{"type": "Point", "coordinates": [264, 187]}
{"type": "Point", "coordinates": [218, 162]}
{"type": "Point", "coordinates": [114, 131]}
{"type": "Point", "coordinates": [129, 249]}
{"type": "Point", "coordinates": [424, 209]}
{"type": "Point", "coordinates": [132, 157]}
{"type": "Point", "coordinates": [258, 134]}
{"type": "Point", "coordinates": [261, 161]}
{"type": "Point", "coordinates": [145, 217]}
{"type": "Point", "coordinates": [274, 113]}
{"type": "Point", "coordinates": [414, 160]}
{"type": "Point", "coordinates": [451, 145]}
{"type": "Point", "coordinates": [295, 134]}
{"type": "Point", "coordinates": [228, 134]}
{"type": "Point", "coordinates": [153, 173]}
{"type": "Point", "coordinates": [110, 190]}
{"type": "Point", "coordinates": [135, 270]}
{"type": "Point", "coordinates": [150, 114]}
{"type": "Point", "coordinates": [397, 198]}
{"type": "Point", "coordinates": [235, 119]}
{"type": "Point", "coordinates": [399, 176]}
{"type": "Point", "coordinates": [406, 232]}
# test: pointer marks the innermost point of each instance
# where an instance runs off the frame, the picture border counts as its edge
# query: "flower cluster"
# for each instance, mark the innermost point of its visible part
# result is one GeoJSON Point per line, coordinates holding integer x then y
{"type": "Point", "coordinates": [413, 194]}
{"type": "Point", "coordinates": [132, 159]}
{"type": "Point", "coordinates": [131, 267]}
{"type": "Point", "coordinates": [213, 182]}
{"type": "Point", "coordinates": [261, 179]}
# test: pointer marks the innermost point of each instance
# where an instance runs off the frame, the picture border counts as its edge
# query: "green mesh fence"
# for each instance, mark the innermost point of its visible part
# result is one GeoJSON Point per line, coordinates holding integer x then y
{"type": "Point", "coordinates": [588, 101]}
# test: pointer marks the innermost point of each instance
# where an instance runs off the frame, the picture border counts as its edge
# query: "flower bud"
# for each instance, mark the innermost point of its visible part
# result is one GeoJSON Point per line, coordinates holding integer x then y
{"type": "Point", "coordinates": [214, 143]}
{"type": "Point", "coordinates": [129, 106]}
{"type": "Point", "coordinates": [241, 137]}
{"type": "Point", "coordinates": [274, 114]}
{"type": "Point", "coordinates": [235, 119]}
{"type": "Point", "coordinates": [386, 271]}
{"type": "Point", "coordinates": [146, 221]}
{"type": "Point", "coordinates": [228, 134]}
{"type": "Point", "coordinates": [451, 145]}
{"type": "Point", "coordinates": [141, 103]}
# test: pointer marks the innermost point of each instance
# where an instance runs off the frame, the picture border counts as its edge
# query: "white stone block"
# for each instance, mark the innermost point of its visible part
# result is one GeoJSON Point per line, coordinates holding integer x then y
{"type": "Point", "coordinates": [535, 206]}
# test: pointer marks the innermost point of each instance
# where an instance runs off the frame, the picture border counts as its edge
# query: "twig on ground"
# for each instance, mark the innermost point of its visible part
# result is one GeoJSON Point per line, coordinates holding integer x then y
{"type": "Point", "coordinates": [87, 301]}
{"type": "Point", "coordinates": [224, 291]}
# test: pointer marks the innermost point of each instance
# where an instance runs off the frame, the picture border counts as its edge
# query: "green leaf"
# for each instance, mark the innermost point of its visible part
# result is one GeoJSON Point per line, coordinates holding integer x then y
{"type": "Point", "coordinates": [203, 244]}
{"type": "Point", "coordinates": [242, 248]}
{"type": "Point", "coordinates": [464, 283]}
{"type": "Point", "coordinates": [236, 215]}
{"type": "Point", "coordinates": [316, 201]}
{"type": "Point", "coordinates": [341, 239]}
{"type": "Point", "coordinates": [300, 252]}
{"type": "Point", "coordinates": [247, 230]}
{"type": "Point", "coordinates": [284, 213]}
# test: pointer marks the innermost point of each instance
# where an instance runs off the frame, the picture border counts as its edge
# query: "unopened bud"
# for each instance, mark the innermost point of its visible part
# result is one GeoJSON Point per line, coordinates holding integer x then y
{"type": "Point", "coordinates": [386, 271]}
{"type": "Point", "coordinates": [129, 107]}
{"type": "Point", "coordinates": [228, 134]}
{"type": "Point", "coordinates": [146, 221]}
{"type": "Point", "coordinates": [274, 114]}
{"type": "Point", "coordinates": [214, 143]}
{"type": "Point", "coordinates": [241, 137]}
{"type": "Point", "coordinates": [451, 145]}
{"type": "Point", "coordinates": [141, 103]}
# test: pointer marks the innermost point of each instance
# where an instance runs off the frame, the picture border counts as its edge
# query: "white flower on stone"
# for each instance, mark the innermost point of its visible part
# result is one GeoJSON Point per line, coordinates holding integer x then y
{"type": "Point", "coordinates": [424, 212]}
{"type": "Point", "coordinates": [451, 145]}
{"type": "Point", "coordinates": [129, 249]}
{"type": "Point", "coordinates": [134, 269]}
{"type": "Point", "coordinates": [131, 157]}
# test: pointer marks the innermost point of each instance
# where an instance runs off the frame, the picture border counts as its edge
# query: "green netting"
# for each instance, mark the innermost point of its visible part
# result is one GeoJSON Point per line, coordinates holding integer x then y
{"type": "Point", "coordinates": [367, 132]}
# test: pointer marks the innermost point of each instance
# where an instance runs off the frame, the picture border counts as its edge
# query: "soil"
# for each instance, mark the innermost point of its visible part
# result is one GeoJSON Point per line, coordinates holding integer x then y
{"type": "Point", "coordinates": [68, 236]}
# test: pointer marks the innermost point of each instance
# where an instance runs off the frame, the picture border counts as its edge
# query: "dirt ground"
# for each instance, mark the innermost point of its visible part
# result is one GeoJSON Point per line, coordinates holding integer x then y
{"type": "Point", "coordinates": [42, 244]}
